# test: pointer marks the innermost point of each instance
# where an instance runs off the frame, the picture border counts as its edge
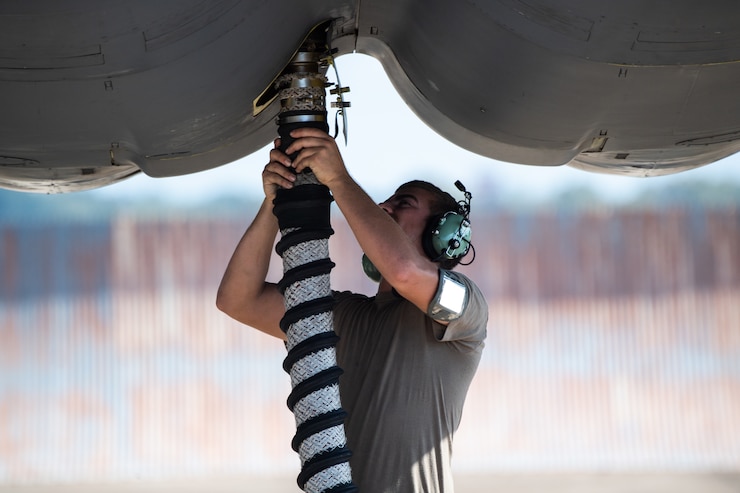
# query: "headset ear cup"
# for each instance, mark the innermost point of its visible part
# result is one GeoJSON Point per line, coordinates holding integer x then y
{"type": "Point", "coordinates": [450, 237]}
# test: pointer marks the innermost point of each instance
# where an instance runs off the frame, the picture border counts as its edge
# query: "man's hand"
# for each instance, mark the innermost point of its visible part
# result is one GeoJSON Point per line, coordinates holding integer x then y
{"type": "Point", "coordinates": [277, 173]}
{"type": "Point", "coordinates": [317, 150]}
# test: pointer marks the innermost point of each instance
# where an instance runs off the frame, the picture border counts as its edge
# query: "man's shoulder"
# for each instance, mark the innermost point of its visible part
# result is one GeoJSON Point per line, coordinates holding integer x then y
{"type": "Point", "coordinates": [344, 296]}
{"type": "Point", "coordinates": [470, 327]}
{"type": "Point", "coordinates": [468, 282]}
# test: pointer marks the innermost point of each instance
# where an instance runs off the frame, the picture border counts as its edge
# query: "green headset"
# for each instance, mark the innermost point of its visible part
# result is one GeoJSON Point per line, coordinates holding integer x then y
{"type": "Point", "coordinates": [447, 236]}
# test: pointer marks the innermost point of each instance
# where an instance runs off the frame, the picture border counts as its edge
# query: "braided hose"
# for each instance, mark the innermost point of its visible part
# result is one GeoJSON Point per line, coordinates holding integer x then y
{"type": "Point", "coordinates": [303, 214]}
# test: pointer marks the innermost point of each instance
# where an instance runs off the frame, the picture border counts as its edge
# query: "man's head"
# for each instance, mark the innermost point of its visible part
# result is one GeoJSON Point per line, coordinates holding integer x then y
{"type": "Point", "coordinates": [432, 203]}
{"type": "Point", "coordinates": [442, 201]}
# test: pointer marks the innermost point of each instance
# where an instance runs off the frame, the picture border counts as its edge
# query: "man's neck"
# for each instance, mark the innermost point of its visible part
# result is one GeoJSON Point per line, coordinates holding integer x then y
{"type": "Point", "coordinates": [384, 286]}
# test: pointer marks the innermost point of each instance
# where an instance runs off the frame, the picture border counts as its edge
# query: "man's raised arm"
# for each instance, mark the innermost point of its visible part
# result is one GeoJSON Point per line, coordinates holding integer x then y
{"type": "Point", "coordinates": [244, 293]}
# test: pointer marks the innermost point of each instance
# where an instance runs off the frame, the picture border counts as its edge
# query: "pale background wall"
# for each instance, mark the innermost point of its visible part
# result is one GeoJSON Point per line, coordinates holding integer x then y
{"type": "Point", "coordinates": [614, 345]}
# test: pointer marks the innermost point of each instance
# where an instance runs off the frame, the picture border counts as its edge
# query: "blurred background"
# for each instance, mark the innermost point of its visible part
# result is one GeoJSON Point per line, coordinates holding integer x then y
{"type": "Point", "coordinates": [612, 361]}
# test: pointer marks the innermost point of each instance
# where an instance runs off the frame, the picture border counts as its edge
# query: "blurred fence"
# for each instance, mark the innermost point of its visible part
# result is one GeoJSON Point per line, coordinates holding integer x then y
{"type": "Point", "coordinates": [614, 344]}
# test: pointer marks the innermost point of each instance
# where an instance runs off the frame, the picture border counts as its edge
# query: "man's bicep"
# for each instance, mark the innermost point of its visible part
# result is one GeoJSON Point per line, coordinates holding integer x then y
{"type": "Point", "coordinates": [264, 312]}
{"type": "Point", "coordinates": [420, 288]}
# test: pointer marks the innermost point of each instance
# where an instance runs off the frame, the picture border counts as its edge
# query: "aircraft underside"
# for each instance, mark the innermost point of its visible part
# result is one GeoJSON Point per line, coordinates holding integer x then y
{"type": "Point", "coordinates": [93, 92]}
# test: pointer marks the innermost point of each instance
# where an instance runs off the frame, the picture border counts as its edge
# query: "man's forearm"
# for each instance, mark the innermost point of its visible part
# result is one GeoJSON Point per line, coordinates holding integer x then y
{"type": "Point", "coordinates": [386, 244]}
{"type": "Point", "coordinates": [243, 294]}
{"type": "Point", "coordinates": [377, 233]}
{"type": "Point", "coordinates": [399, 259]}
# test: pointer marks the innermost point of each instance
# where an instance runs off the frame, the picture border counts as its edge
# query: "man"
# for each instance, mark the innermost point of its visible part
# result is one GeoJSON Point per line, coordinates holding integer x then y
{"type": "Point", "coordinates": [405, 374]}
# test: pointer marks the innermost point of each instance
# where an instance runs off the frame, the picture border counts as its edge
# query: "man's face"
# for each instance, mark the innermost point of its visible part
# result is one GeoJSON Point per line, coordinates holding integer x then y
{"type": "Point", "coordinates": [410, 207]}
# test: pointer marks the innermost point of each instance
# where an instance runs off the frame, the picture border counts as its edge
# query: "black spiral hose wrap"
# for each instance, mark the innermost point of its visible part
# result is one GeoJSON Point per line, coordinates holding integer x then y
{"type": "Point", "coordinates": [303, 214]}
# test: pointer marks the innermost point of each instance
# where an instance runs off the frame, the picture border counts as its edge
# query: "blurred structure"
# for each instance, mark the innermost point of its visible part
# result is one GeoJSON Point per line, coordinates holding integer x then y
{"type": "Point", "coordinates": [614, 345]}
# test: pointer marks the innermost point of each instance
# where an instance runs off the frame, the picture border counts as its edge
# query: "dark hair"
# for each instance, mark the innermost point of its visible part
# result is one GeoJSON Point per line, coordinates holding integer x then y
{"type": "Point", "coordinates": [443, 202]}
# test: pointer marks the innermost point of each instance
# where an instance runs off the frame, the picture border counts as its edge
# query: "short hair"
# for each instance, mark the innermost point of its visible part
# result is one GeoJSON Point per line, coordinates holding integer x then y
{"type": "Point", "coordinates": [443, 202]}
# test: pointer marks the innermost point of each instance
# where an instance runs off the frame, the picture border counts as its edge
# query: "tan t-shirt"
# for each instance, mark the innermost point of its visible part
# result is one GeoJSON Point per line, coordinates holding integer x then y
{"type": "Point", "coordinates": [404, 384]}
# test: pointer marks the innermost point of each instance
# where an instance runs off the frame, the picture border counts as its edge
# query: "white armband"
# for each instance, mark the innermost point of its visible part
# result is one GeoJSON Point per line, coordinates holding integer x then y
{"type": "Point", "coordinates": [450, 300]}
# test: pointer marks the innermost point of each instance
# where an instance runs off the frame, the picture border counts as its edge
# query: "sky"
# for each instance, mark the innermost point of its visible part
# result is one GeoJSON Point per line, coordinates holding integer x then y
{"type": "Point", "coordinates": [388, 144]}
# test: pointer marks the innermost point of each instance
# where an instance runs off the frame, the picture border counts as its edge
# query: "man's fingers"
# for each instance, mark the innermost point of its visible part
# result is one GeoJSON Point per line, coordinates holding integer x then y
{"type": "Point", "coordinates": [279, 171]}
{"type": "Point", "coordinates": [280, 157]}
{"type": "Point", "coordinates": [308, 142]}
{"type": "Point", "coordinates": [309, 158]}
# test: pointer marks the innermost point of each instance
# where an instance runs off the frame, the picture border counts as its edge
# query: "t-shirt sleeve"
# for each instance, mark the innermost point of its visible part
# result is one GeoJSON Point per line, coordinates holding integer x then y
{"type": "Point", "coordinates": [470, 327]}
